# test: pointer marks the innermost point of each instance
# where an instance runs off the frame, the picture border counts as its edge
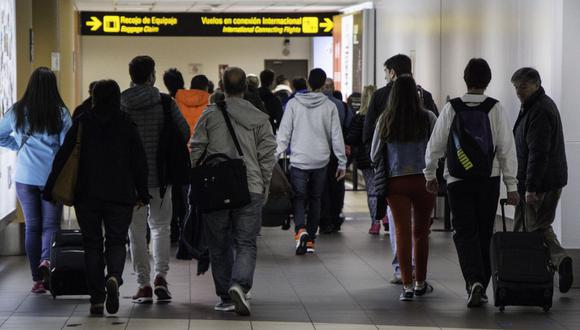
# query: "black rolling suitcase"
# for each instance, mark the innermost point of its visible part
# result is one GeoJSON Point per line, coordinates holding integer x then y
{"type": "Point", "coordinates": [522, 273]}
{"type": "Point", "coordinates": [67, 264]}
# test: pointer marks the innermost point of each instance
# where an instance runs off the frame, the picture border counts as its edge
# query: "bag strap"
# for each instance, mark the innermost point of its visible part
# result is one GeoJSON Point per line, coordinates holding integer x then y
{"type": "Point", "coordinates": [222, 107]}
{"type": "Point", "coordinates": [26, 137]}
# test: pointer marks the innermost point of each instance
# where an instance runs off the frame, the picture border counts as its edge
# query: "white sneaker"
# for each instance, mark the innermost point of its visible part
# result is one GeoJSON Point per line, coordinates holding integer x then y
{"type": "Point", "coordinates": [224, 307]}
{"type": "Point", "coordinates": [242, 306]}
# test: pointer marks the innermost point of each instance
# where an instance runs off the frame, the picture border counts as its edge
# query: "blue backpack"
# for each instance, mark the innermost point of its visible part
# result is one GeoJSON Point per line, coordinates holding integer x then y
{"type": "Point", "coordinates": [470, 149]}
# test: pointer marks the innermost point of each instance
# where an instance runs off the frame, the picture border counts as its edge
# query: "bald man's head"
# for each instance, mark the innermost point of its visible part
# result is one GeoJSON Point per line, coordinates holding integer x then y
{"type": "Point", "coordinates": [234, 81]}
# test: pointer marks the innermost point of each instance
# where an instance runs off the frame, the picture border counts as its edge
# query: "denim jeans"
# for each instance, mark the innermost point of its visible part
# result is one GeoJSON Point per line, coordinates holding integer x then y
{"type": "Point", "coordinates": [231, 237]}
{"type": "Point", "coordinates": [158, 215]}
{"type": "Point", "coordinates": [41, 219]}
{"type": "Point", "coordinates": [307, 183]}
{"type": "Point", "coordinates": [116, 219]}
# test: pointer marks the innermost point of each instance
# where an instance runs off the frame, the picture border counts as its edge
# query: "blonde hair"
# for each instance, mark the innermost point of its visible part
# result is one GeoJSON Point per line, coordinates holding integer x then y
{"type": "Point", "coordinates": [365, 99]}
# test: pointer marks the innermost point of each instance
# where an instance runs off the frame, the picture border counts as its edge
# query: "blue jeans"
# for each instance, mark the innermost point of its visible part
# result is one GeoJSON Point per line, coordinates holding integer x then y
{"type": "Point", "coordinates": [307, 183]}
{"type": "Point", "coordinates": [231, 238]}
{"type": "Point", "coordinates": [41, 219]}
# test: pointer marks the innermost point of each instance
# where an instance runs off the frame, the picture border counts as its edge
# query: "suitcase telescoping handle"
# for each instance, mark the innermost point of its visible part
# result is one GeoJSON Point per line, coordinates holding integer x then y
{"type": "Point", "coordinates": [503, 203]}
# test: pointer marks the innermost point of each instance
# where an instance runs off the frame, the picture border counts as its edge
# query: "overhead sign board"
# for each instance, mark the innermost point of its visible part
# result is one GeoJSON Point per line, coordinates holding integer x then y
{"type": "Point", "coordinates": [207, 25]}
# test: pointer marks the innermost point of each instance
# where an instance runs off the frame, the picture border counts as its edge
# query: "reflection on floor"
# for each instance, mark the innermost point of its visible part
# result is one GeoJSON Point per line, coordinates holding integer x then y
{"type": "Point", "coordinates": [344, 286]}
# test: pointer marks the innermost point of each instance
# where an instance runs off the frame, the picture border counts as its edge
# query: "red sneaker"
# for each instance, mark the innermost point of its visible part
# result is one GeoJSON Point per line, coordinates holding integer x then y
{"type": "Point", "coordinates": [144, 295]}
{"type": "Point", "coordinates": [375, 229]}
{"type": "Point", "coordinates": [38, 287]}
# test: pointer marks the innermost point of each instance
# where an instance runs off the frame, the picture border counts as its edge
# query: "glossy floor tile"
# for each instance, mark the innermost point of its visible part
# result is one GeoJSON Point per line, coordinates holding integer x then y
{"type": "Point", "coordinates": [345, 285]}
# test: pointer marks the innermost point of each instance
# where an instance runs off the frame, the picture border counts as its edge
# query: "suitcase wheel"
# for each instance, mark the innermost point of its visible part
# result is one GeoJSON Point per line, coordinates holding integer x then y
{"type": "Point", "coordinates": [546, 308]}
{"type": "Point", "coordinates": [502, 308]}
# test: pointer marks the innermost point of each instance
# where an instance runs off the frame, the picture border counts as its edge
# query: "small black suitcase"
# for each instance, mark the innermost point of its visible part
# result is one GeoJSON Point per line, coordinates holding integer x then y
{"type": "Point", "coordinates": [522, 273]}
{"type": "Point", "coordinates": [67, 264]}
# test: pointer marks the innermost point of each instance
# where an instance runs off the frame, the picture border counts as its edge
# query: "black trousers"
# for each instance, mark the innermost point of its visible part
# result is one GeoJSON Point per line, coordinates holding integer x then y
{"type": "Point", "coordinates": [115, 218]}
{"type": "Point", "coordinates": [473, 206]}
{"type": "Point", "coordinates": [180, 201]}
{"type": "Point", "coordinates": [332, 197]}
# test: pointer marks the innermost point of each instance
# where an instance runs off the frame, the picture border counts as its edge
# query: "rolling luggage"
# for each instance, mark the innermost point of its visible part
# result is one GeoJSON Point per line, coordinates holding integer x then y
{"type": "Point", "coordinates": [67, 264]}
{"type": "Point", "coordinates": [521, 270]}
{"type": "Point", "coordinates": [278, 207]}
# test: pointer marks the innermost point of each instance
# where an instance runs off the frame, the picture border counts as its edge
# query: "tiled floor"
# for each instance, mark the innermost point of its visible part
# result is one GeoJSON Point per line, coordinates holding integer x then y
{"type": "Point", "coordinates": [344, 286]}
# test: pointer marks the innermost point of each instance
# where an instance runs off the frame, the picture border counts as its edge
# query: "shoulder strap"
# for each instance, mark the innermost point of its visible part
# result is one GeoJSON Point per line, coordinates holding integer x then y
{"type": "Point", "coordinates": [24, 139]}
{"type": "Point", "coordinates": [222, 107]}
{"type": "Point", "coordinates": [487, 105]}
{"type": "Point", "coordinates": [458, 105]}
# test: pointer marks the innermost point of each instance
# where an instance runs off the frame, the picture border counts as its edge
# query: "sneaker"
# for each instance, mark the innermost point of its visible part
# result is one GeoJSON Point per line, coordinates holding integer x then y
{"type": "Point", "coordinates": [386, 224]}
{"type": "Point", "coordinates": [406, 294]}
{"type": "Point", "coordinates": [423, 290]}
{"type": "Point", "coordinates": [484, 299]}
{"type": "Point", "coordinates": [565, 274]}
{"type": "Point", "coordinates": [242, 306]}
{"type": "Point", "coordinates": [112, 301]}
{"type": "Point", "coordinates": [309, 249]}
{"type": "Point", "coordinates": [248, 295]}
{"type": "Point", "coordinates": [38, 287]}
{"type": "Point", "coordinates": [97, 310]}
{"type": "Point", "coordinates": [144, 295]}
{"type": "Point", "coordinates": [44, 270]}
{"type": "Point", "coordinates": [375, 229]}
{"type": "Point", "coordinates": [161, 290]}
{"type": "Point", "coordinates": [224, 307]}
{"type": "Point", "coordinates": [475, 295]}
{"type": "Point", "coordinates": [301, 248]}
{"type": "Point", "coordinates": [298, 233]}
{"type": "Point", "coordinates": [396, 279]}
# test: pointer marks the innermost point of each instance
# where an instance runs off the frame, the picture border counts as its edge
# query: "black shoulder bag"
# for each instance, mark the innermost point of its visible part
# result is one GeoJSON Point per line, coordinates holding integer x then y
{"type": "Point", "coordinates": [219, 182]}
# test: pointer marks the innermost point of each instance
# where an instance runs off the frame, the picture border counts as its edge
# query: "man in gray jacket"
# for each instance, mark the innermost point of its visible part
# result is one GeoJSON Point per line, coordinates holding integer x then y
{"type": "Point", "coordinates": [311, 125]}
{"type": "Point", "coordinates": [143, 103]}
{"type": "Point", "coordinates": [231, 234]}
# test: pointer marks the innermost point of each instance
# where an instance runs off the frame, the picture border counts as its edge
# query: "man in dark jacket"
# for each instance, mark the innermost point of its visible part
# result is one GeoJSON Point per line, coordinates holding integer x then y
{"type": "Point", "coordinates": [395, 66]}
{"type": "Point", "coordinates": [143, 104]}
{"type": "Point", "coordinates": [271, 102]}
{"type": "Point", "coordinates": [542, 166]}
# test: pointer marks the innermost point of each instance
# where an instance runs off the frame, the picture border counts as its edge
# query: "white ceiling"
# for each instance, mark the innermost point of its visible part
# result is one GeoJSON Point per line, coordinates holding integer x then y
{"type": "Point", "coordinates": [217, 6]}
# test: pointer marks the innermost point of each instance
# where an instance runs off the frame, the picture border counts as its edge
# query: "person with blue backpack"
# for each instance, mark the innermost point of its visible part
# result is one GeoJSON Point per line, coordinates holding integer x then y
{"type": "Point", "coordinates": [474, 132]}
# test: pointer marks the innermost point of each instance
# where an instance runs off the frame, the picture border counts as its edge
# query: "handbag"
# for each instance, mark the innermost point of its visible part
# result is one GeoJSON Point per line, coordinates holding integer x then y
{"type": "Point", "coordinates": [219, 182]}
{"type": "Point", "coordinates": [64, 188]}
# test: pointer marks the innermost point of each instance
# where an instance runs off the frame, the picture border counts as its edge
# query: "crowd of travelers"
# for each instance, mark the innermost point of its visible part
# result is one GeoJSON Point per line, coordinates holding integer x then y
{"type": "Point", "coordinates": [408, 153]}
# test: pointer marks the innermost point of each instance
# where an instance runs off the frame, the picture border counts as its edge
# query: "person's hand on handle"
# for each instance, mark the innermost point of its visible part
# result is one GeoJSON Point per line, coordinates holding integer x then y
{"type": "Point", "coordinates": [513, 198]}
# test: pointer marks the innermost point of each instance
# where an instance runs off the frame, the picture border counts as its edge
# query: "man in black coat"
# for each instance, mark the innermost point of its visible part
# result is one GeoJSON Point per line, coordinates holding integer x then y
{"type": "Point", "coordinates": [272, 103]}
{"type": "Point", "coordinates": [542, 166]}
{"type": "Point", "coordinates": [395, 66]}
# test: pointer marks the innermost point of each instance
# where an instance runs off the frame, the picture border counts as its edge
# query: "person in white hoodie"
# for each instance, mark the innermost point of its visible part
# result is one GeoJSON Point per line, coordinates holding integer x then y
{"type": "Point", "coordinates": [312, 127]}
{"type": "Point", "coordinates": [474, 198]}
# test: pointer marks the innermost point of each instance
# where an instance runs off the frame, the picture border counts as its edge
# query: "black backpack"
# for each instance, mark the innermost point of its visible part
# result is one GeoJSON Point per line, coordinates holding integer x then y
{"type": "Point", "coordinates": [173, 162]}
{"type": "Point", "coordinates": [470, 149]}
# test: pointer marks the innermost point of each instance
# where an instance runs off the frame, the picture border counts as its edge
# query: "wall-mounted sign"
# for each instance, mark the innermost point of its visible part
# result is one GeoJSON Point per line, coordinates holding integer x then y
{"type": "Point", "coordinates": [203, 24]}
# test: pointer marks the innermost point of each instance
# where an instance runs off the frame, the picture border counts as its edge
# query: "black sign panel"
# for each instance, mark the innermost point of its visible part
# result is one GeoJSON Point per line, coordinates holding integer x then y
{"type": "Point", "coordinates": [207, 25]}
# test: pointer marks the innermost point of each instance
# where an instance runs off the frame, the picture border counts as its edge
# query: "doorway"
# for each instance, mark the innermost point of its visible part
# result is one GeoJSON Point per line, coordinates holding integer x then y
{"type": "Point", "coordinates": [289, 68]}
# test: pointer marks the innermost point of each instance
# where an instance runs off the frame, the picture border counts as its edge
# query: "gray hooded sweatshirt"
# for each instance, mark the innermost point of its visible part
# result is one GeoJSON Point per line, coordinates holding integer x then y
{"type": "Point", "coordinates": [254, 133]}
{"type": "Point", "coordinates": [311, 126]}
{"type": "Point", "coordinates": [143, 104]}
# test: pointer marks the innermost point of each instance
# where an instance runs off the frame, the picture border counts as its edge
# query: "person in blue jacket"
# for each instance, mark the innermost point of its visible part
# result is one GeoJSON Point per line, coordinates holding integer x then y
{"type": "Point", "coordinates": [35, 128]}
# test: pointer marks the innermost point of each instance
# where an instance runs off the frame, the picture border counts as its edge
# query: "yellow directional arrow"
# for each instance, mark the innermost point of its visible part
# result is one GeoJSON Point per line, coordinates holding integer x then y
{"type": "Point", "coordinates": [328, 24]}
{"type": "Point", "coordinates": [95, 23]}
